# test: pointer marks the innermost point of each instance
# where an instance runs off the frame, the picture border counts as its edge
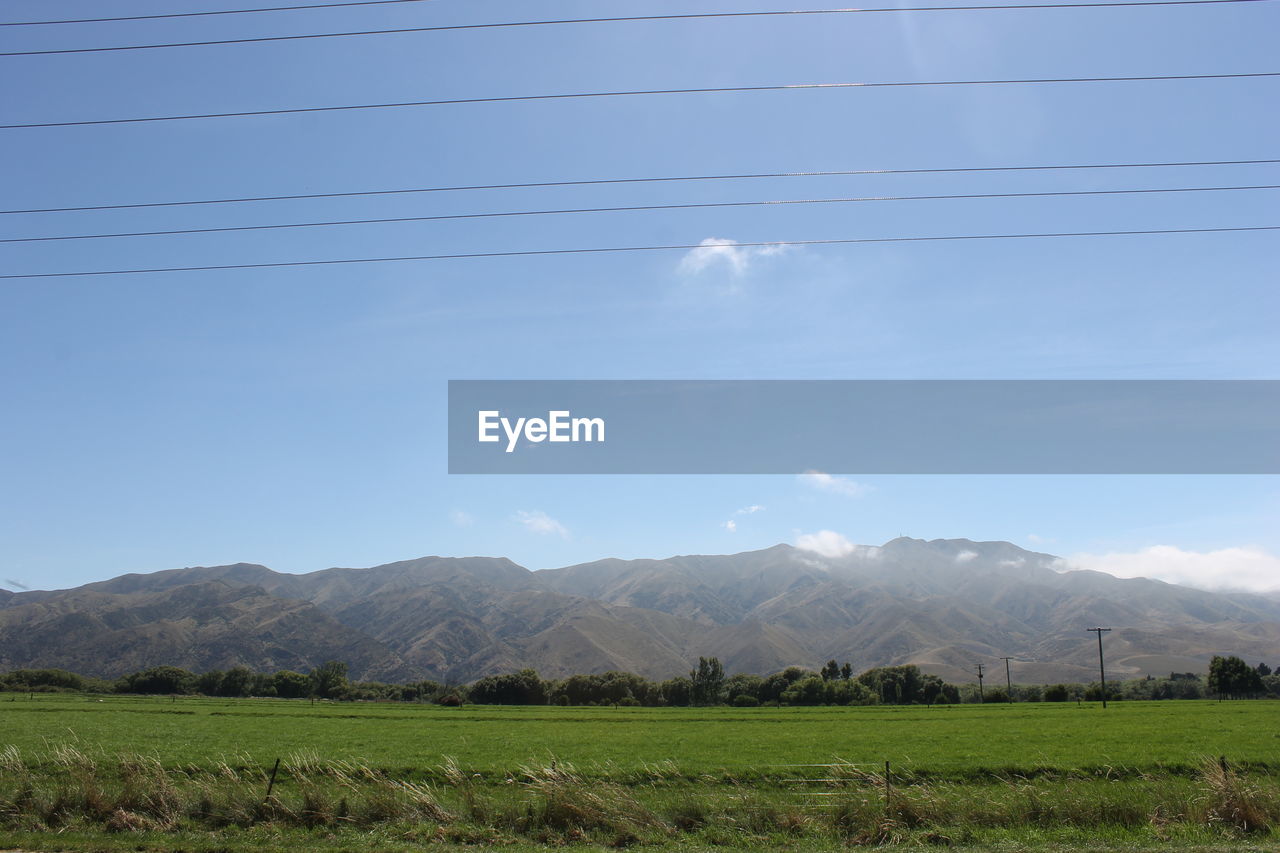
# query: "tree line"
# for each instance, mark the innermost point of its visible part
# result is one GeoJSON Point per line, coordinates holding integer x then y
{"type": "Point", "coordinates": [707, 684]}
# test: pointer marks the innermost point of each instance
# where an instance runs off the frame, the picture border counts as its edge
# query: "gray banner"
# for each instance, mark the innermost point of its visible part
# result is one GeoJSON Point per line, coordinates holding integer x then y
{"type": "Point", "coordinates": [864, 426]}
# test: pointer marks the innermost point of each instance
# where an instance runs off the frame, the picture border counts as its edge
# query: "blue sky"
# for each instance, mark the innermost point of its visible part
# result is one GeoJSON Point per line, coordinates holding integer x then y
{"type": "Point", "coordinates": [295, 416]}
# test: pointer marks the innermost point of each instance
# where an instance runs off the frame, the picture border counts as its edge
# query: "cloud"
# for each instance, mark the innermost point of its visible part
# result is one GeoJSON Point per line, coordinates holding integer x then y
{"type": "Point", "coordinates": [715, 250]}
{"type": "Point", "coordinates": [461, 519]}
{"type": "Point", "coordinates": [17, 584]}
{"type": "Point", "coordinates": [1013, 564]}
{"type": "Point", "coordinates": [836, 485]}
{"type": "Point", "coordinates": [537, 521]}
{"type": "Point", "coordinates": [732, 526]}
{"type": "Point", "coordinates": [966, 556]}
{"type": "Point", "coordinates": [1248, 568]}
{"type": "Point", "coordinates": [825, 543]}
{"type": "Point", "coordinates": [1035, 540]}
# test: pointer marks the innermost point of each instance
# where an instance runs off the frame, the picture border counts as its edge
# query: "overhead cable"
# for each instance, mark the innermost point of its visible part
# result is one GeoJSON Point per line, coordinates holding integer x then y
{"type": "Point", "coordinates": [648, 180]}
{"type": "Point", "coordinates": [619, 19]}
{"type": "Point", "coordinates": [630, 208]}
{"type": "Point", "coordinates": [206, 14]}
{"type": "Point", "coordinates": [561, 96]}
{"type": "Point", "coordinates": [654, 248]}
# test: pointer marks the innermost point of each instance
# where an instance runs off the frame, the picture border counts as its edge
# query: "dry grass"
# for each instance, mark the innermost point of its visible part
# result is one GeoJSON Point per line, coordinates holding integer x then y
{"type": "Point", "coordinates": [552, 802]}
{"type": "Point", "coordinates": [1235, 803]}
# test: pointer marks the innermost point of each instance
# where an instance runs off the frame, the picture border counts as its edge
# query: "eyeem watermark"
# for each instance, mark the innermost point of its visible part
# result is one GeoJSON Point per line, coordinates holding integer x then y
{"type": "Point", "coordinates": [865, 426]}
{"type": "Point", "coordinates": [558, 426]}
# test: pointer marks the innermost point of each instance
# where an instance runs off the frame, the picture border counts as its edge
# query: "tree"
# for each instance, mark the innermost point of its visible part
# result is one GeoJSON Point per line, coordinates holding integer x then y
{"type": "Point", "coordinates": [677, 691]}
{"type": "Point", "coordinates": [831, 671]}
{"type": "Point", "coordinates": [807, 691]}
{"type": "Point", "coordinates": [775, 685]}
{"type": "Point", "coordinates": [32, 679]}
{"type": "Point", "coordinates": [1232, 678]}
{"type": "Point", "coordinates": [236, 682]}
{"type": "Point", "coordinates": [895, 685]}
{"type": "Point", "coordinates": [329, 680]}
{"type": "Point", "coordinates": [743, 684]}
{"type": "Point", "coordinates": [931, 688]}
{"type": "Point", "coordinates": [291, 685]}
{"type": "Point", "coordinates": [708, 681]}
{"type": "Point", "coordinates": [521, 688]}
{"type": "Point", "coordinates": [1056, 693]}
{"type": "Point", "coordinates": [158, 679]}
{"type": "Point", "coordinates": [210, 684]}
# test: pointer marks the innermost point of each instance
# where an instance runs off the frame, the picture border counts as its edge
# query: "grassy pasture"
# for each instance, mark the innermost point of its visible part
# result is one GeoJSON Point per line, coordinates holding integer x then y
{"type": "Point", "coordinates": [947, 741]}
{"type": "Point", "coordinates": [89, 772]}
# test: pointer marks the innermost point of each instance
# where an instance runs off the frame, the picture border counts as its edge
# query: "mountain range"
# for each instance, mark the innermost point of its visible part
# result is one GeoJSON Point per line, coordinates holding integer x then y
{"type": "Point", "coordinates": [944, 604]}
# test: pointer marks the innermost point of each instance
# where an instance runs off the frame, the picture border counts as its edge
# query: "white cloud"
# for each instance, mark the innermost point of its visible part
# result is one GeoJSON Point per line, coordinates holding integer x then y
{"type": "Point", "coordinates": [966, 556]}
{"type": "Point", "coordinates": [1229, 568]}
{"type": "Point", "coordinates": [826, 543]}
{"type": "Point", "coordinates": [836, 485]}
{"type": "Point", "coordinates": [719, 250]}
{"type": "Point", "coordinates": [813, 564]}
{"type": "Point", "coordinates": [461, 519]}
{"type": "Point", "coordinates": [732, 526]}
{"type": "Point", "coordinates": [537, 521]}
{"type": "Point", "coordinates": [1013, 564]}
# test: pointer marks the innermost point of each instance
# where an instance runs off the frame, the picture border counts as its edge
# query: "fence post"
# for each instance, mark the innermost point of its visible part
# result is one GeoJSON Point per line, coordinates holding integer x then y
{"type": "Point", "coordinates": [272, 783]}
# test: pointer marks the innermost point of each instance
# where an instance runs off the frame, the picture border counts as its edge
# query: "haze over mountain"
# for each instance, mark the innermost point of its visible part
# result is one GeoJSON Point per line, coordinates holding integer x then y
{"type": "Point", "coordinates": [941, 604]}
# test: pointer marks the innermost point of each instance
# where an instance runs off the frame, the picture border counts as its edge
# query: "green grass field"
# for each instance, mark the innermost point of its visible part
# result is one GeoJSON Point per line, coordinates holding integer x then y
{"type": "Point", "coordinates": [1030, 775]}
{"type": "Point", "coordinates": [941, 741]}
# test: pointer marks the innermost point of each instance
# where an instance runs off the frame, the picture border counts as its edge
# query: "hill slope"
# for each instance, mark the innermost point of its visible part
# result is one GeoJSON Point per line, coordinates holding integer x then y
{"type": "Point", "coordinates": [942, 604]}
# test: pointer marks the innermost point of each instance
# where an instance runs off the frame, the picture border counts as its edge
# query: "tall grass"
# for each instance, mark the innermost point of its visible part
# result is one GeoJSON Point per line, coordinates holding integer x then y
{"type": "Point", "coordinates": [71, 787]}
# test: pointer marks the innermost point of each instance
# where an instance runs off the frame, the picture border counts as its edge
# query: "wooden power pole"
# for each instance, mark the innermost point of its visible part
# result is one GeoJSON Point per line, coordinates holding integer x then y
{"type": "Point", "coordinates": [981, 698]}
{"type": "Point", "coordinates": [1102, 670]}
{"type": "Point", "coordinates": [1008, 680]}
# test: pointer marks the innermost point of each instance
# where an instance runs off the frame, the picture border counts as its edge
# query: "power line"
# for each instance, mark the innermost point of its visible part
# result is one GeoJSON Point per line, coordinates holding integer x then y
{"type": "Point", "coordinates": [655, 248]}
{"type": "Point", "coordinates": [651, 180]}
{"type": "Point", "coordinates": [630, 208]}
{"type": "Point", "coordinates": [629, 93]}
{"type": "Point", "coordinates": [625, 19]}
{"type": "Point", "coordinates": [205, 14]}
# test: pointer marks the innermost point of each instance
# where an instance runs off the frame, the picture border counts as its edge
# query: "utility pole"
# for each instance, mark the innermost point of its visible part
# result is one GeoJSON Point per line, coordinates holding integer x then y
{"type": "Point", "coordinates": [981, 698]}
{"type": "Point", "coordinates": [1008, 681]}
{"type": "Point", "coordinates": [1102, 670]}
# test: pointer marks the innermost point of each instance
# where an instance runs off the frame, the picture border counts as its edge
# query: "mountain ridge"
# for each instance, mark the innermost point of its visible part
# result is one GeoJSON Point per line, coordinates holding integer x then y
{"type": "Point", "coordinates": [942, 604]}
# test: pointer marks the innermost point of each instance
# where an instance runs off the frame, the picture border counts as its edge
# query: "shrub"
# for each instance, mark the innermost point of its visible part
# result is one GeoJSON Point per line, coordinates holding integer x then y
{"type": "Point", "coordinates": [1056, 693]}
